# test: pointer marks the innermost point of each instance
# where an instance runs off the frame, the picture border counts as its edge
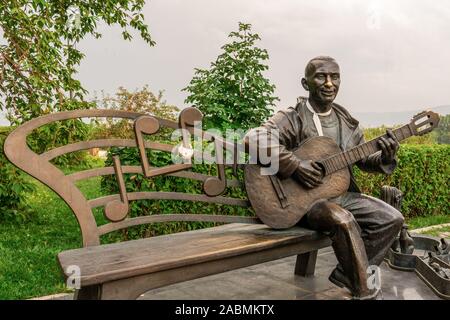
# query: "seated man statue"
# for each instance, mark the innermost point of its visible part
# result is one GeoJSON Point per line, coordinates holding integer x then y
{"type": "Point", "coordinates": [362, 228]}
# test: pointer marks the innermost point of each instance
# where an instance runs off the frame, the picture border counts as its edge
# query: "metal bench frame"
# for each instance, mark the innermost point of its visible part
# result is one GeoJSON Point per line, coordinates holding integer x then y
{"type": "Point", "coordinates": [272, 245]}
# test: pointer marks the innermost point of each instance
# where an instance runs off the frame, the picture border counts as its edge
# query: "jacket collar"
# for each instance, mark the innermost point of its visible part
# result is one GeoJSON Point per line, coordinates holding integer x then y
{"type": "Point", "coordinates": [340, 110]}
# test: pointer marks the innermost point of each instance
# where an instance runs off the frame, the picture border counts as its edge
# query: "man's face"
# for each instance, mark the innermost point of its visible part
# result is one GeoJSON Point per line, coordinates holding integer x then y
{"type": "Point", "coordinates": [323, 84]}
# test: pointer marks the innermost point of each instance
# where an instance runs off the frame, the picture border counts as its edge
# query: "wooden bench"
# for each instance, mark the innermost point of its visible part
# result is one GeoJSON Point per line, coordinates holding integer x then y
{"type": "Point", "coordinates": [127, 269]}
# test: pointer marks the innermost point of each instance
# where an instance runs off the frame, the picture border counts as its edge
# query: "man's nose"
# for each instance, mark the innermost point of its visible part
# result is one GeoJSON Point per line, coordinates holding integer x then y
{"type": "Point", "coordinates": [328, 82]}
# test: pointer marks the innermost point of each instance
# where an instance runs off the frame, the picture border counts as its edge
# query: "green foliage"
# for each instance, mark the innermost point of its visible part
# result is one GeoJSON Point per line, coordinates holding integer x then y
{"type": "Point", "coordinates": [443, 130]}
{"type": "Point", "coordinates": [143, 101]}
{"type": "Point", "coordinates": [422, 175]}
{"type": "Point", "coordinates": [137, 182]}
{"type": "Point", "coordinates": [440, 135]}
{"type": "Point", "coordinates": [13, 186]}
{"type": "Point", "coordinates": [28, 266]}
{"type": "Point", "coordinates": [58, 134]}
{"type": "Point", "coordinates": [233, 93]}
{"type": "Point", "coordinates": [39, 60]}
{"type": "Point", "coordinates": [372, 133]}
{"type": "Point", "coordinates": [442, 232]}
{"type": "Point", "coordinates": [426, 221]}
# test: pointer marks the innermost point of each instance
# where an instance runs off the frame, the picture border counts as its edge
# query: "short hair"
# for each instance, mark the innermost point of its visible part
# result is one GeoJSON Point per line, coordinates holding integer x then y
{"type": "Point", "coordinates": [310, 68]}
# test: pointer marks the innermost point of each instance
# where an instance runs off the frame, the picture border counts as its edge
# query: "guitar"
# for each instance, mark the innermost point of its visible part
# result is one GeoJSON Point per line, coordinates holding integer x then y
{"type": "Point", "coordinates": [281, 204]}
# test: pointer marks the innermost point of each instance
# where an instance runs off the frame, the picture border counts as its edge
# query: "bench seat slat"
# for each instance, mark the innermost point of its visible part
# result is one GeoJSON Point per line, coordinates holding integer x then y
{"type": "Point", "coordinates": [110, 262]}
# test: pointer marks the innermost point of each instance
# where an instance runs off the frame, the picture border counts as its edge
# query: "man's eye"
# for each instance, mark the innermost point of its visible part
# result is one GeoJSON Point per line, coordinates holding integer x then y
{"type": "Point", "coordinates": [335, 77]}
{"type": "Point", "coordinates": [320, 76]}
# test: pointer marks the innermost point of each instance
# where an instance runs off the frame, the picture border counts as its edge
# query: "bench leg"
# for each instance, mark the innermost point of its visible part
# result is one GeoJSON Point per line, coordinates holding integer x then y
{"type": "Point", "coordinates": [306, 263]}
{"type": "Point", "coordinates": [89, 293]}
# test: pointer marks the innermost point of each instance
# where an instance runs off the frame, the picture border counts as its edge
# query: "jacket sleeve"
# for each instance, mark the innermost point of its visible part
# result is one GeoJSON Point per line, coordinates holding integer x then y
{"type": "Point", "coordinates": [373, 163]}
{"type": "Point", "coordinates": [275, 139]}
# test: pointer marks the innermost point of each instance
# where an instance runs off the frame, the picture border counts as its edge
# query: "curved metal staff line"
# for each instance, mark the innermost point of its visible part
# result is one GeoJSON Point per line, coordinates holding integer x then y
{"type": "Point", "coordinates": [101, 143]}
{"type": "Point", "coordinates": [90, 113]}
{"type": "Point", "coordinates": [96, 172]}
{"type": "Point", "coordinates": [99, 202]}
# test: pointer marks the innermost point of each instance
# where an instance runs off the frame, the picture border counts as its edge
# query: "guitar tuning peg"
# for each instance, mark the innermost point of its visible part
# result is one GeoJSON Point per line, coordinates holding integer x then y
{"type": "Point", "coordinates": [422, 113]}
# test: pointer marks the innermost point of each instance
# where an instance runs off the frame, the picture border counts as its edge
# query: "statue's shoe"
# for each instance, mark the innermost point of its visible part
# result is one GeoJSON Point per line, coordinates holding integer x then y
{"type": "Point", "coordinates": [340, 279]}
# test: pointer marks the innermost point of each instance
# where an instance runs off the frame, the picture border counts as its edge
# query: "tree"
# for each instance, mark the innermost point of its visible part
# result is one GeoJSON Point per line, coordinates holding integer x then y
{"type": "Point", "coordinates": [39, 60]}
{"type": "Point", "coordinates": [234, 93]}
{"type": "Point", "coordinates": [144, 101]}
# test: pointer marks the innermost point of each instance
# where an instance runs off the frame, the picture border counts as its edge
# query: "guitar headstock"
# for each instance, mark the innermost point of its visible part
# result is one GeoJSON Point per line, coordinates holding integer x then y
{"type": "Point", "coordinates": [424, 122]}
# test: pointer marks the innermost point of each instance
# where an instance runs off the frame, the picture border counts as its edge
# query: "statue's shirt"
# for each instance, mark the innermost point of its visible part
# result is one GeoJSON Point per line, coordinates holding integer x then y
{"type": "Point", "coordinates": [330, 126]}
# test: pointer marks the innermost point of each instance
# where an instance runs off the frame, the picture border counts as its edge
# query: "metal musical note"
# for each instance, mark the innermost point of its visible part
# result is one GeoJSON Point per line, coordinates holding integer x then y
{"type": "Point", "coordinates": [188, 118]}
{"type": "Point", "coordinates": [150, 125]}
{"type": "Point", "coordinates": [215, 186]}
{"type": "Point", "coordinates": [117, 210]}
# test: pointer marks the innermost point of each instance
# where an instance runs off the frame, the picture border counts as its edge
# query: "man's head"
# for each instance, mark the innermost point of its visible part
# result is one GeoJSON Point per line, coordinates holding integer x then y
{"type": "Point", "coordinates": [322, 79]}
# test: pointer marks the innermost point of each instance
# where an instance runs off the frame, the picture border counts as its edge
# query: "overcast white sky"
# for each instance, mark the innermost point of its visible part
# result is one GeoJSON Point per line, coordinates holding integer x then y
{"type": "Point", "coordinates": [394, 55]}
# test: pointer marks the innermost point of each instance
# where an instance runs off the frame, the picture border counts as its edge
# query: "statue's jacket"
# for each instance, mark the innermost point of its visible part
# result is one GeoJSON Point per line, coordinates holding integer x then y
{"type": "Point", "coordinates": [295, 124]}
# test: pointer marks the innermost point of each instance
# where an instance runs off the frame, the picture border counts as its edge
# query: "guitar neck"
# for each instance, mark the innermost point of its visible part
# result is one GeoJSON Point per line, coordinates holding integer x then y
{"type": "Point", "coordinates": [344, 159]}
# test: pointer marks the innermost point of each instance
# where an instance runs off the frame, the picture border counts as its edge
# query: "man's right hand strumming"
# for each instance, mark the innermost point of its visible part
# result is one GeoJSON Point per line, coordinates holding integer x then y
{"type": "Point", "coordinates": [308, 173]}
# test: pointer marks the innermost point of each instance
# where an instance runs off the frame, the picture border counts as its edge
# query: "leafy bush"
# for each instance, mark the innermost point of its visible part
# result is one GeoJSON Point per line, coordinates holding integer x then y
{"type": "Point", "coordinates": [443, 130]}
{"type": "Point", "coordinates": [13, 185]}
{"type": "Point", "coordinates": [137, 182]}
{"type": "Point", "coordinates": [440, 135]}
{"type": "Point", "coordinates": [372, 133]}
{"type": "Point", "coordinates": [40, 55]}
{"type": "Point", "coordinates": [58, 134]}
{"type": "Point", "coordinates": [143, 101]}
{"type": "Point", "coordinates": [234, 93]}
{"type": "Point", "coordinates": [422, 175]}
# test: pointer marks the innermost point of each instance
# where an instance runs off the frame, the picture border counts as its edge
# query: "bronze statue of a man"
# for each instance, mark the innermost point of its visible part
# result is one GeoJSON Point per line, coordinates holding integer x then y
{"type": "Point", "coordinates": [362, 228]}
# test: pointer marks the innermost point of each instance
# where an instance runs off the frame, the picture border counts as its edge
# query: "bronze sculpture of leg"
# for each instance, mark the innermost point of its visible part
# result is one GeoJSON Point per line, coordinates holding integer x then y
{"type": "Point", "coordinates": [379, 222]}
{"type": "Point", "coordinates": [347, 244]}
{"type": "Point", "coordinates": [362, 229]}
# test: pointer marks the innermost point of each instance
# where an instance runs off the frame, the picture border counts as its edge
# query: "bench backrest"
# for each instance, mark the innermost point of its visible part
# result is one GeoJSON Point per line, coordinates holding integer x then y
{"type": "Point", "coordinates": [116, 206]}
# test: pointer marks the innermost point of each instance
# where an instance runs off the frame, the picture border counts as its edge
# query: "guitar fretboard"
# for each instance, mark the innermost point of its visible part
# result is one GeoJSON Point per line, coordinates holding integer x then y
{"type": "Point", "coordinates": [342, 160]}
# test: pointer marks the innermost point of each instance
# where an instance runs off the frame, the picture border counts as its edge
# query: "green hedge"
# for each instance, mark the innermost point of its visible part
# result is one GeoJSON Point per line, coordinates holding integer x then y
{"type": "Point", "coordinates": [13, 185]}
{"type": "Point", "coordinates": [422, 174]}
{"type": "Point", "coordinates": [135, 182]}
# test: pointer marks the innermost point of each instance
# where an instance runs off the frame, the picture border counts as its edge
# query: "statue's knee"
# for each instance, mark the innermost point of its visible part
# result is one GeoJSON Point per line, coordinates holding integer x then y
{"type": "Point", "coordinates": [341, 217]}
{"type": "Point", "coordinates": [328, 217]}
{"type": "Point", "coordinates": [398, 220]}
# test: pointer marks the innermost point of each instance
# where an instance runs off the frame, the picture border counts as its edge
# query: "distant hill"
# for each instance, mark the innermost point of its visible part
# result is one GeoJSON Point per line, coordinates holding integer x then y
{"type": "Point", "coordinates": [376, 119]}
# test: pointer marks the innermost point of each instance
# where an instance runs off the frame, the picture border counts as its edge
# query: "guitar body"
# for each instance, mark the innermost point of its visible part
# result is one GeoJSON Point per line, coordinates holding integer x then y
{"type": "Point", "coordinates": [265, 199]}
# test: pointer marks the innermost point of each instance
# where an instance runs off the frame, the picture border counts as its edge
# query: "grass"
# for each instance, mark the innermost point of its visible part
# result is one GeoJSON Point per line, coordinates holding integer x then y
{"type": "Point", "coordinates": [28, 266]}
{"type": "Point", "coordinates": [421, 222]}
{"type": "Point", "coordinates": [443, 232]}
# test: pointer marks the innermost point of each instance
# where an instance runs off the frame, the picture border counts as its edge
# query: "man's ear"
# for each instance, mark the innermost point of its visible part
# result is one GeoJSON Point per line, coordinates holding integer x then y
{"type": "Point", "coordinates": [305, 84]}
